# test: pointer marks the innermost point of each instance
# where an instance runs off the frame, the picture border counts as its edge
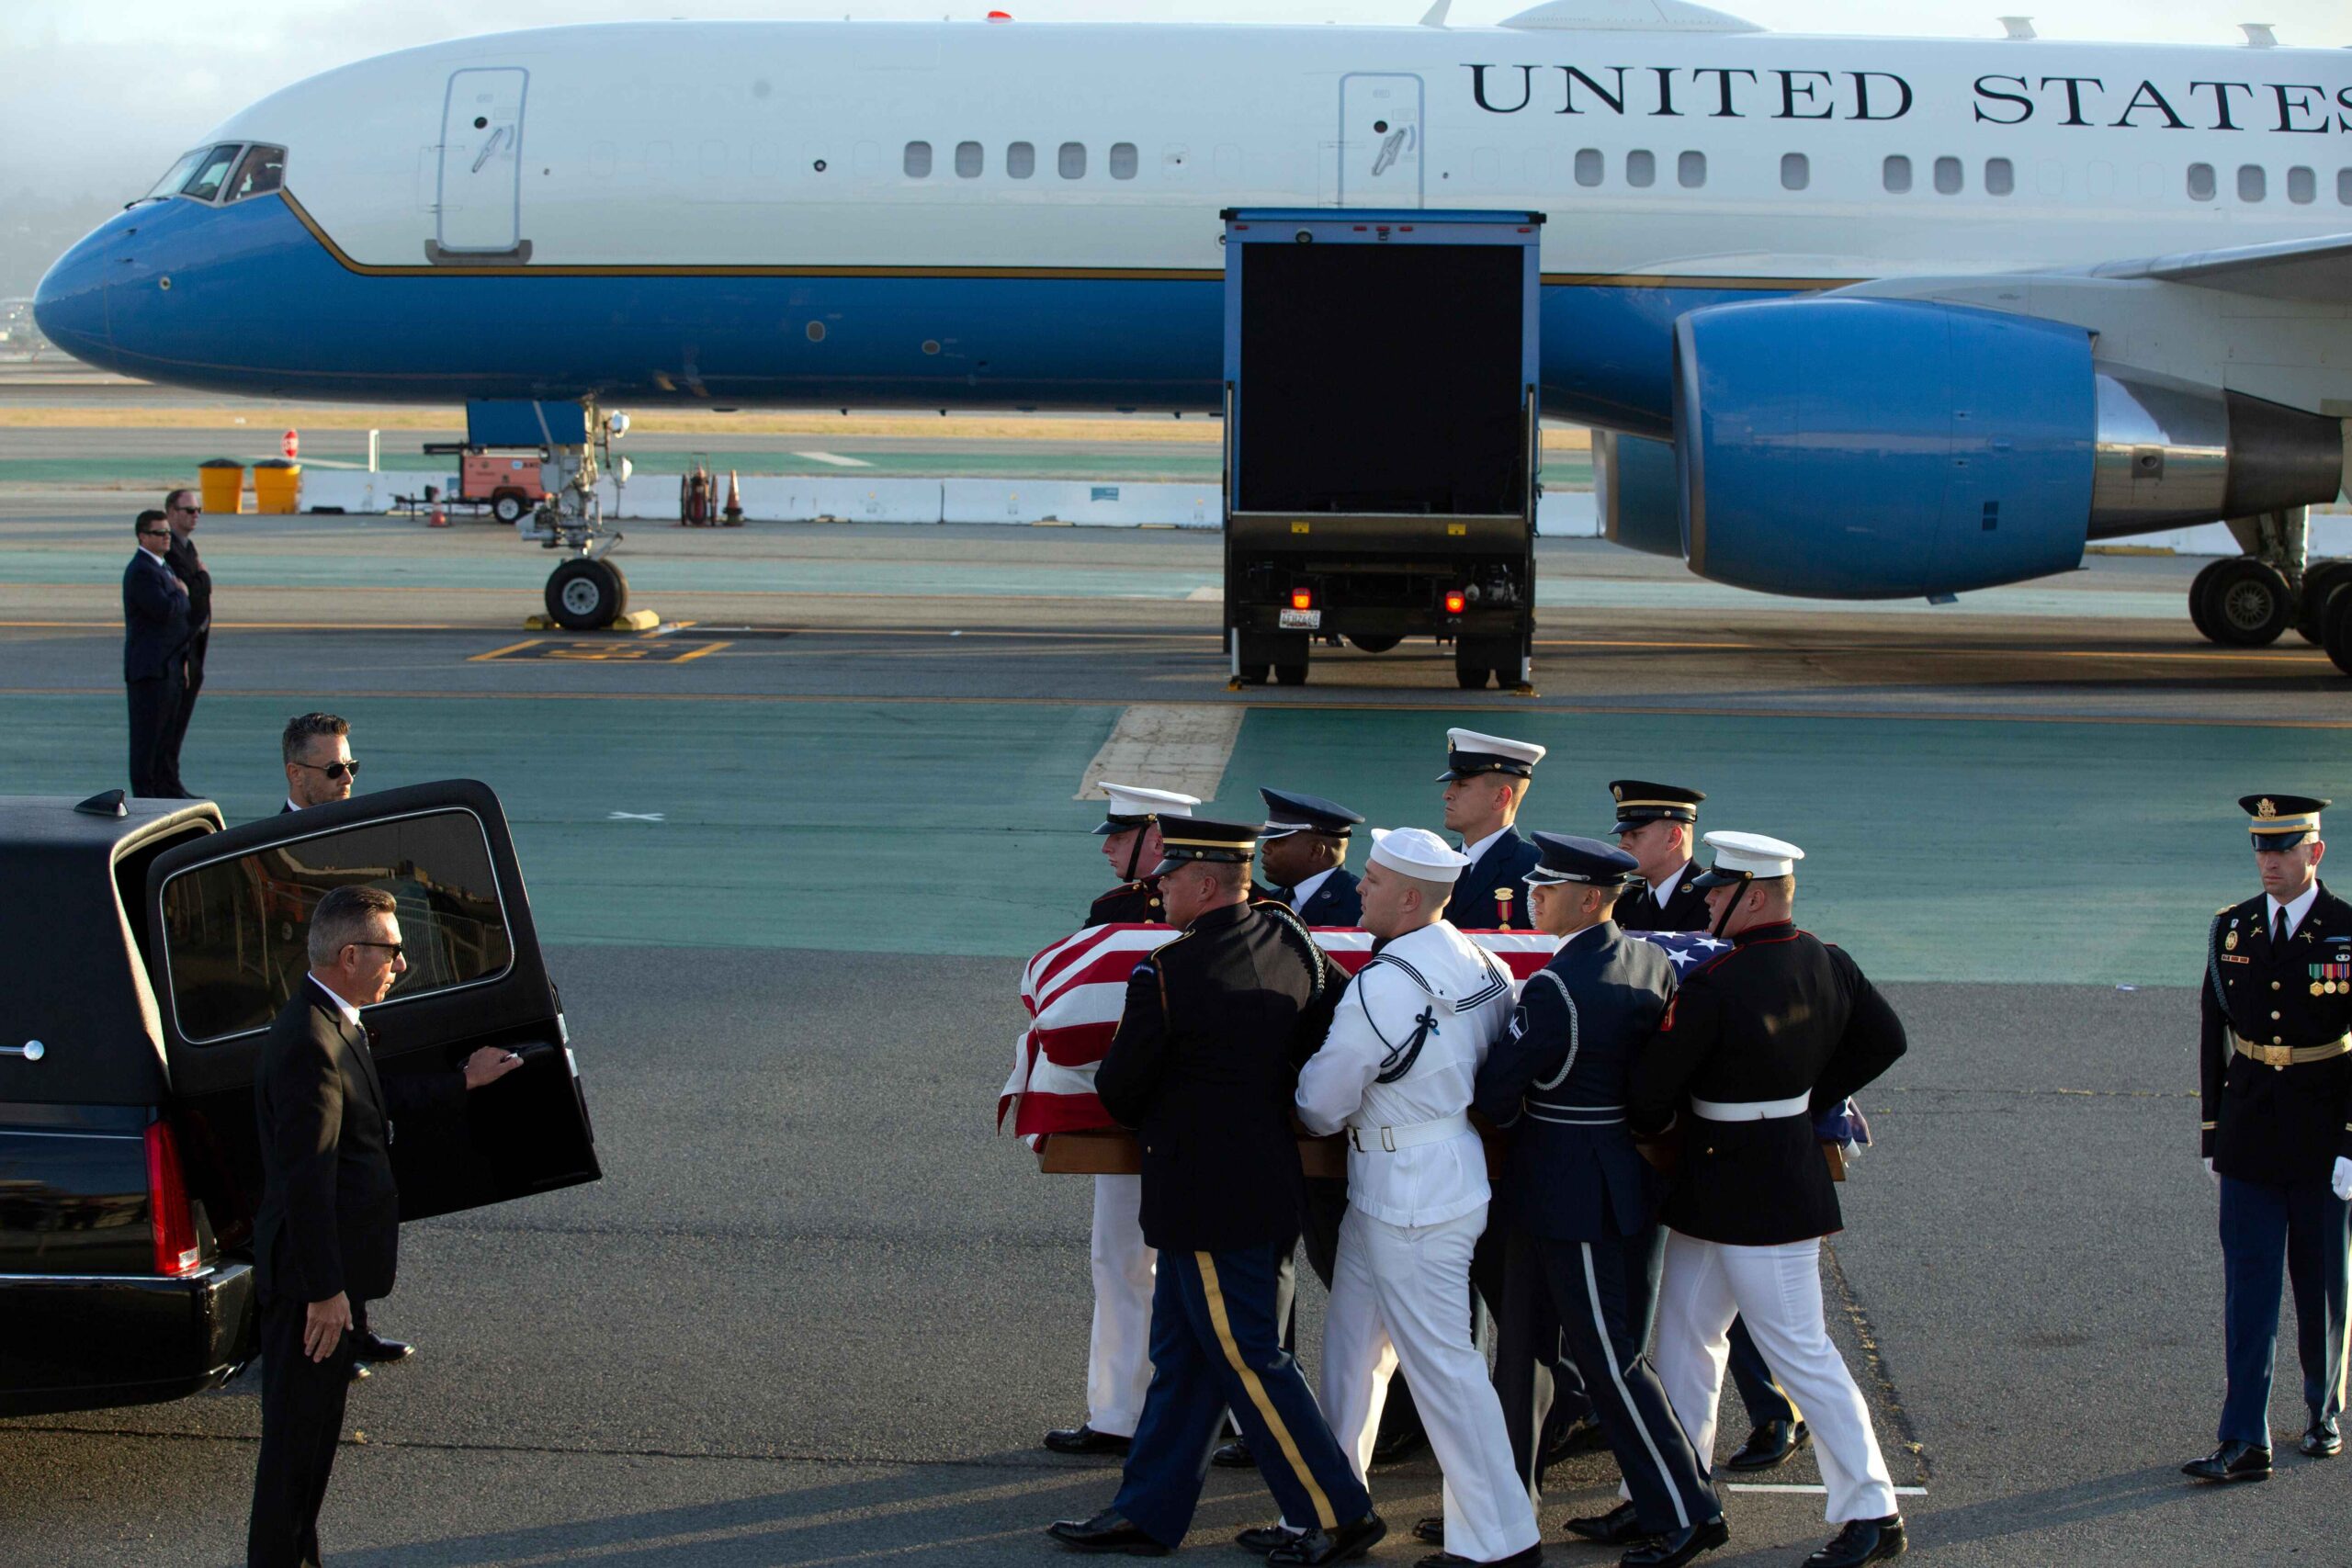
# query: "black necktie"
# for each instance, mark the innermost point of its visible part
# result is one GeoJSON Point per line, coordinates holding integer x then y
{"type": "Point", "coordinates": [2279, 927]}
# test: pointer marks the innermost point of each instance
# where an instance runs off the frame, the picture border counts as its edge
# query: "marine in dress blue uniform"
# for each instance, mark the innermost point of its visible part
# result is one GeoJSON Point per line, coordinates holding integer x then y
{"type": "Point", "coordinates": [2275, 1073]}
{"type": "Point", "coordinates": [1132, 825]}
{"type": "Point", "coordinates": [1486, 778]}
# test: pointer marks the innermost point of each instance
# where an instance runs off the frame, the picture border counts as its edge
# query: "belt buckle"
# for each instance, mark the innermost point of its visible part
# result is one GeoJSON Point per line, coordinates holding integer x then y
{"type": "Point", "coordinates": [1388, 1139]}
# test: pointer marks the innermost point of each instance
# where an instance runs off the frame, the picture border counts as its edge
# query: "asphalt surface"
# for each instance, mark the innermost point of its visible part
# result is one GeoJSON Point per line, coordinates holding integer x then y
{"type": "Point", "coordinates": [818, 1312]}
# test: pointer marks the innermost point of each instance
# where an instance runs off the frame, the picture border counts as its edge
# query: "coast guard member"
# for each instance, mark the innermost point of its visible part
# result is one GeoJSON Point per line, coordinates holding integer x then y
{"type": "Point", "coordinates": [1395, 1073]}
{"type": "Point", "coordinates": [1655, 824]}
{"type": "Point", "coordinates": [1757, 1039]}
{"type": "Point", "coordinates": [1202, 1067]}
{"type": "Point", "coordinates": [1303, 851]}
{"type": "Point", "coordinates": [2275, 1067]}
{"type": "Point", "coordinates": [1118, 1363]}
{"type": "Point", "coordinates": [1581, 1201]}
{"type": "Point", "coordinates": [1486, 778]}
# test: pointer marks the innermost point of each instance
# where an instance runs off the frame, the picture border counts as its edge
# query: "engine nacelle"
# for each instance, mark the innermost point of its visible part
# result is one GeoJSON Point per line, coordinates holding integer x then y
{"type": "Point", "coordinates": [1636, 492]}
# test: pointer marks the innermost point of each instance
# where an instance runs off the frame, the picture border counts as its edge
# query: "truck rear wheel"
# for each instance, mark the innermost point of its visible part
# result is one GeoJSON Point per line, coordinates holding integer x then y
{"type": "Point", "coordinates": [1373, 643]}
{"type": "Point", "coordinates": [586, 595]}
{"type": "Point", "coordinates": [1290, 674]}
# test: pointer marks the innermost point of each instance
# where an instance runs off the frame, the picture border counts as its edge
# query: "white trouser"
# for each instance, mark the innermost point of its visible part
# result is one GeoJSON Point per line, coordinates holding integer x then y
{"type": "Point", "coordinates": [1777, 1290]}
{"type": "Point", "coordinates": [1118, 1355]}
{"type": "Point", "coordinates": [1402, 1295]}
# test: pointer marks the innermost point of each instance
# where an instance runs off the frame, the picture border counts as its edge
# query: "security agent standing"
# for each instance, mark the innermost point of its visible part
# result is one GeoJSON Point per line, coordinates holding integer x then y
{"type": "Point", "coordinates": [154, 644]}
{"type": "Point", "coordinates": [1303, 850]}
{"type": "Point", "coordinates": [182, 512]}
{"type": "Point", "coordinates": [326, 1236]}
{"type": "Point", "coordinates": [2276, 1084]}
{"type": "Point", "coordinates": [1118, 1363]}
{"type": "Point", "coordinates": [1655, 824]}
{"type": "Point", "coordinates": [1202, 1067]}
{"type": "Point", "coordinates": [1487, 778]}
{"type": "Point", "coordinates": [1582, 1202]}
{"type": "Point", "coordinates": [1759, 1038]}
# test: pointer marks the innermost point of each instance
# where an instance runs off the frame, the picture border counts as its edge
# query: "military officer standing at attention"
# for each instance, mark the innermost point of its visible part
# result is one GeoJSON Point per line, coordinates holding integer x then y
{"type": "Point", "coordinates": [1580, 1200]}
{"type": "Point", "coordinates": [1203, 1066]}
{"type": "Point", "coordinates": [1757, 1040]}
{"type": "Point", "coordinates": [2275, 1067]}
{"type": "Point", "coordinates": [1486, 778]}
{"type": "Point", "coordinates": [1118, 1364]}
{"type": "Point", "coordinates": [1304, 854]}
{"type": "Point", "coordinates": [1655, 824]}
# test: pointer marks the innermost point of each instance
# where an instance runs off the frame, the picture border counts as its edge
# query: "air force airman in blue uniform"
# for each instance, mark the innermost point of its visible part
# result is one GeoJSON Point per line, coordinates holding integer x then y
{"type": "Point", "coordinates": [1303, 851]}
{"type": "Point", "coordinates": [2275, 1067]}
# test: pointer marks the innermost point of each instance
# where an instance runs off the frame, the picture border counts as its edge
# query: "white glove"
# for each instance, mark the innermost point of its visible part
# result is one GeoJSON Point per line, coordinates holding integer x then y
{"type": "Point", "coordinates": [2342, 1179]}
{"type": "Point", "coordinates": [2217, 1175]}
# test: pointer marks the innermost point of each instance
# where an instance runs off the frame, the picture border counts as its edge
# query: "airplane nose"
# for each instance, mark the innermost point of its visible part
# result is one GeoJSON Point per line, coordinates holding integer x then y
{"type": "Point", "coordinates": [70, 308]}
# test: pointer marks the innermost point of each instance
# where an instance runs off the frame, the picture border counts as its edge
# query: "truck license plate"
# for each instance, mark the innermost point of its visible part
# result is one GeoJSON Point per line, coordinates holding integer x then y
{"type": "Point", "coordinates": [1302, 620]}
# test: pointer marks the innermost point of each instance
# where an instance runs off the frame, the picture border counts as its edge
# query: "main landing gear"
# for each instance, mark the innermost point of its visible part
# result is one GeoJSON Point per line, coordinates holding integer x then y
{"type": "Point", "coordinates": [2250, 601]}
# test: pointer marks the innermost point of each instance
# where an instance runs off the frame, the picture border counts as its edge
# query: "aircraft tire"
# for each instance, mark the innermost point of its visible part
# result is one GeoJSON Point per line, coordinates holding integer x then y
{"type": "Point", "coordinates": [2197, 614]}
{"type": "Point", "coordinates": [1373, 643]}
{"type": "Point", "coordinates": [2321, 582]}
{"type": "Point", "coordinates": [586, 595]}
{"type": "Point", "coordinates": [2338, 642]}
{"type": "Point", "coordinates": [2246, 604]}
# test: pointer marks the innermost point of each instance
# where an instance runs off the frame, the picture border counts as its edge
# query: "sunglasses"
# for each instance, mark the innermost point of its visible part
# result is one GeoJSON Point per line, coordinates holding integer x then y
{"type": "Point", "coordinates": [153, 533]}
{"type": "Point", "coordinates": [394, 948]}
{"type": "Point", "coordinates": [334, 769]}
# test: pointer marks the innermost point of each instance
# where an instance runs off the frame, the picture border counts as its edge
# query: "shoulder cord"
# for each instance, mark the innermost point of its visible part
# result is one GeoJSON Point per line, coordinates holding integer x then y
{"type": "Point", "coordinates": [1574, 1043]}
{"type": "Point", "coordinates": [2213, 965]}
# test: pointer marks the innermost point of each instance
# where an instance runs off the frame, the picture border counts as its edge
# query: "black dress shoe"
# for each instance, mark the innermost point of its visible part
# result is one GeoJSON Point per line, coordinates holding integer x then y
{"type": "Point", "coordinates": [1770, 1446]}
{"type": "Point", "coordinates": [1106, 1531]}
{"type": "Point", "coordinates": [1581, 1436]}
{"type": "Point", "coordinates": [2324, 1440]}
{"type": "Point", "coordinates": [1266, 1537]}
{"type": "Point", "coordinates": [377, 1351]}
{"type": "Point", "coordinates": [1395, 1447]}
{"type": "Point", "coordinates": [1862, 1540]}
{"type": "Point", "coordinates": [1235, 1455]}
{"type": "Point", "coordinates": [1675, 1547]}
{"type": "Point", "coordinates": [1084, 1440]}
{"type": "Point", "coordinates": [1430, 1528]}
{"type": "Point", "coordinates": [1528, 1559]}
{"type": "Point", "coordinates": [360, 1372]}
{"type": "Point", "coordinates": [2232, 1462]}
{"type": "Point", "coordinates": [1621, 1526]}
{"type": "Point", "coordinates": [1338, 1544]}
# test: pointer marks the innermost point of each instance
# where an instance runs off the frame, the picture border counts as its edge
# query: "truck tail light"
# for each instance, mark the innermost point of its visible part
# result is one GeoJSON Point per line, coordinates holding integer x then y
{"type": "Point", "coordinates": [1301, 598]}
{"type": "Point", "coordinates": [1454, 600]}
{"type": "Point", "coordinates": [168, 1212]}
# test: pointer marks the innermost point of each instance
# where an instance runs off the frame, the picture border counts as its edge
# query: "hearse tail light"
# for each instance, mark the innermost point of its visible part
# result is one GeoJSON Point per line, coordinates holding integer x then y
{"type": "Point", "coordinates": [173, 1222]}
{"type": "Point", "coordinates": [1454, 600]}
{"type": "Point", "coordinates": [1301, 598]}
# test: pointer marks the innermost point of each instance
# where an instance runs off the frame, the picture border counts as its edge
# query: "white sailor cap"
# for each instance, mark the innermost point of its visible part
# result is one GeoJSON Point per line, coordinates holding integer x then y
{"type": "Point", "coordinates": [1132, 807]}
{"type": "Point", "coordinates": [1468, 753]}
{"type": "Point", "coordinates": [1742, 857]}
{"type": "Point", "coordinates": [1416, 852]}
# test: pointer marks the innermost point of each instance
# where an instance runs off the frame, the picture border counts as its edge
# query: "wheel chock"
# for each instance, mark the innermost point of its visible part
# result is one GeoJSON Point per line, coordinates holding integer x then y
{"type": "Point", "coordinates": [632, 621]}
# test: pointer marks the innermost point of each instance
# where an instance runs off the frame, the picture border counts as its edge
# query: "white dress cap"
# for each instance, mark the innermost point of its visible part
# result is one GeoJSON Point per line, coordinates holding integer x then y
{"type": "Point", "coordinates": [1469, 753]}
{"type": "Point", "coordinates": [1127, 800]}
{"type": "Point", "coordinates": [1416, 852]}
{"type": "Point", "coordinates": [1754, 853]}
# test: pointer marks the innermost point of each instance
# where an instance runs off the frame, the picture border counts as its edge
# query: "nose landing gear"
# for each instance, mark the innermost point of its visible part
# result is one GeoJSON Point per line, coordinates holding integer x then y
{"type": "Point", "coordinates": [586, 593]}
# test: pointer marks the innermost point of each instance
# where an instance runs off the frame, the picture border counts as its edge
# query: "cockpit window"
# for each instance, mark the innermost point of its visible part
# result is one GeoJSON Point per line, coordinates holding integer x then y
{"type": "Point", "coordinates": [211, 173]}
{"type": "Point", "coordinates": [263, 170]}
{"type": "Point", "coordinates": [170, 184]}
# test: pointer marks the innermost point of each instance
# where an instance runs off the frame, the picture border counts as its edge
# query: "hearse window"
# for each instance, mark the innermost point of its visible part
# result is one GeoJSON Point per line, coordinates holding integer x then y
{"type": "Point", "coordinates": [175, 176]}
{"type": "Point", "coordinates": [2200, 182]}
{"type": "Point", "coordinates": [1072, 162]}
{"type": "Point", "coordinates": [1123, 160]}
{"type": "Point", "coordinates": [1590, 167]}
{"type": "Point", "coordinates": [2302, 187]}
{"type": "Point", "coordinates": [1691, 169]}
{"type": "Point", "coordinates": [968, 159]}
{"type": "Point", "coordinates": [1021, 160]}
{"type": "Point", "coordinates": [1641, 169]}
{"type": "Point", "coordinates": [1895, 174]}
{"type": "Point", "coordinates": [263, 170]}
{"type": "Point", "coordinates": [918, 161]}
{"type": "Point", "coordinates": [2000, 176]}
{"type": "Point", "coordinates": [212, 173]}
{"type": "Point", "coordinates": [2252, 185]}
{"type": "Point", "coordinates": [1948, 176]}
{"type": "Point", "coordinates": [1796, 171]}
{"type": "Point", "coordinates": [235, 931]}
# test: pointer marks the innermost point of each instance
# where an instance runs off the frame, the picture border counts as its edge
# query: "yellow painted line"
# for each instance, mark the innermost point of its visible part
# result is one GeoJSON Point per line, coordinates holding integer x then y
{"type": "Point", "coordinates": [501, 652]}
{"type": "Point", "coordinates": [697, 653]}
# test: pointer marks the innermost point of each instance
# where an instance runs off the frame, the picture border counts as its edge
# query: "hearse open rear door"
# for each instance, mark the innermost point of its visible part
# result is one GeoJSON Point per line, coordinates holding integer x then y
{"type": "Point", "coordinates": [228, 916]}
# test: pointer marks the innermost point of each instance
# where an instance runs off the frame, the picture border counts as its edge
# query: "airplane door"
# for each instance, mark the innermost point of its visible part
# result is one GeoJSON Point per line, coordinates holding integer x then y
{"type": "Point", "coordinates": [481, 164]}
{"type": "Point", "coordinates": [1380, 140]}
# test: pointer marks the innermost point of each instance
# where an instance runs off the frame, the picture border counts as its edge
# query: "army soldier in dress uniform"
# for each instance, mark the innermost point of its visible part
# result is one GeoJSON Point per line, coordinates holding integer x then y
{"type": "Point", "coordinates": [1581, 1203]}
{"type": "Point", "coordinates": [1118, 1364]}
{"type": "Point", "coordinates": [1655, 825]}
{"type": "Point", "coordinates": [1486, 778]}
{"type": "Point", "coordinates": [1204, 1067]}
{"type": "Point", "coordinates": [1759, 1038]}
{"type": "Point", "coordinates": [1304, 854]}
{"type": "Point", "coordinates": [2275, 1066]}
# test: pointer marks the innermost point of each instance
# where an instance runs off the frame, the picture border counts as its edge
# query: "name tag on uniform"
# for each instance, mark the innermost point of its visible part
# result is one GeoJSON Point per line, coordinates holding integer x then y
{"type": "Point", "coordinates": [2236, 958]}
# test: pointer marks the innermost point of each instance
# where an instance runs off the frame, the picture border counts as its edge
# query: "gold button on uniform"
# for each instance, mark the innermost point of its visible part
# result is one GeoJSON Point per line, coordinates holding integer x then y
{"type": "Point", "coordinates": [2274, 985]}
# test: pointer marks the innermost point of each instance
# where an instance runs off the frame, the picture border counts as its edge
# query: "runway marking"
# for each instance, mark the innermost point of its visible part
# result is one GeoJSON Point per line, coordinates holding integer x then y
{"type": "Point", "coordinates": [1809, 1488]}
{"type": "Point", "coordinates": [633, 815]}
{"type": "Point", "coordinates": [1205, 595]}
{"type": "Point", "coordinates": [1183, 747]}
{"type": "Point", "coordinates": [531, 649]}
{"type": "Point", "coordinates": [835, 459]}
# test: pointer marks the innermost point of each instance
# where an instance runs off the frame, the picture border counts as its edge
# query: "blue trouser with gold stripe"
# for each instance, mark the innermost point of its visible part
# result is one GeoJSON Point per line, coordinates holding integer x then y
{"type": "Point", "coordinates": [1216, 1344]}
{"type": "Point", "coordinates": [2299, 1229]}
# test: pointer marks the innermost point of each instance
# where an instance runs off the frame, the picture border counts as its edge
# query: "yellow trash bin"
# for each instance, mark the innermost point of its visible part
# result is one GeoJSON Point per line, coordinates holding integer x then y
{"type": "Point", "coordinates": [278, 486]}
{"type": "Point", "coordinates": [221, 482]}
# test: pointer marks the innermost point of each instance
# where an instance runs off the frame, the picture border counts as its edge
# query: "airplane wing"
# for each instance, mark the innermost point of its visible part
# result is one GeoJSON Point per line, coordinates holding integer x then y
{"type": "Point", "coordinates": [2318, 271]}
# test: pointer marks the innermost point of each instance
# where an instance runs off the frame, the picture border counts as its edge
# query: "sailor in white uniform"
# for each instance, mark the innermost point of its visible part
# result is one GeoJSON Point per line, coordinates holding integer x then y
{"type": "Point", "coordinates": [1397, 1073]}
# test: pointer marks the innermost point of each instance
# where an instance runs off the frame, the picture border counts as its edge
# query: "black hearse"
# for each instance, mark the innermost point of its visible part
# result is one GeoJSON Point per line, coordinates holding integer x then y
{"type": "Point", "coordinates": [143, 951]}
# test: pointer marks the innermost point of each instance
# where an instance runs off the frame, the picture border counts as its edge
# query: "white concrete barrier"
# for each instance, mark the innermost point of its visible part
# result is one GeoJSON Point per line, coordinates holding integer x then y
{"type": "Point", "coordinates": [1082, 502]}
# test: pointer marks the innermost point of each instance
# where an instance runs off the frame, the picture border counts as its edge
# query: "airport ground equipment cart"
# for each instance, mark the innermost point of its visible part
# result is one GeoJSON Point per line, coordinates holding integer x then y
{"type": "Point", "coordinates": [1381, 441]}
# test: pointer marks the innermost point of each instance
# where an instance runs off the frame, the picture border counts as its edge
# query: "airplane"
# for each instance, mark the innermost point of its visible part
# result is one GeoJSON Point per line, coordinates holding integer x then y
{"type": "Point", "coordinates": [1851, 317]}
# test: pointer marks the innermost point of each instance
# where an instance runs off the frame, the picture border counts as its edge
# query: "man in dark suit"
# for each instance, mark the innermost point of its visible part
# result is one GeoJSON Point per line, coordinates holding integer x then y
{"type": "Point", "coordinates": [154, 641]}
{"type": "Point", "coordinates": [1486, 778]}
{"type": "Point", "coordinates": [1203, 1065]}
{"type": "Point", "coordinates": [327, 1233]}
{"type": "Point", "coordinates": [182, 512]}
{"type": "Point", "coordinates": [316, 749]}
{"type": "Point", "coordinates": [2274, 1068]}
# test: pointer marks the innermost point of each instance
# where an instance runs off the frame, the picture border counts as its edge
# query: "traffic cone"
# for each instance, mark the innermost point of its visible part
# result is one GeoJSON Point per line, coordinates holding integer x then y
{"type": "Point", "coordinates": [734, 501]}
{"type": "Point", "coordinates": [440, 518]}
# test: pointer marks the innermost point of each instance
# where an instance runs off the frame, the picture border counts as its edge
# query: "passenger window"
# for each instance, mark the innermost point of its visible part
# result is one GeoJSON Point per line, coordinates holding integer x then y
{"type": "Point", "coordinates": [211, 173]}
{"type": "Point", "coordinates": [968, 159]}
{"type": "Point", "coordinates": [176, 175]}
{"type": "Point", "coordinates": [2000, 176]}
{"type": "Point", "coordinates": [1589, 165]}
{"type": "Point", "coordinates": [1123, 160]}
{"type": "Point", "coordinates": [1948, 176]}
{"type": "Point", "coordinates": [1796, 171]}
{"type": "Point", "coordinates": [1072, 161]}
{"type": "Point", "coordinates": [1895, 174]}
{"type": "Point", "coordinates": [2302, 187]}
{"type": "Point", "coordinates": [1021, 160]}
{"type": "Point", "coordinates": [2344, 187]}
{"type": "Point", "coordinates": [235, 931]}
{"type": "Point", "coordinates": [1691, 169]}
{"type": "Point", "coordinates": [1641, 170]}
{"type": "Point", "coordinates": [2253, 186]}
{"type": "Point", "coordinates": [2200, 182]}
{"type": "Point", "coordinates": [918, 161]}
